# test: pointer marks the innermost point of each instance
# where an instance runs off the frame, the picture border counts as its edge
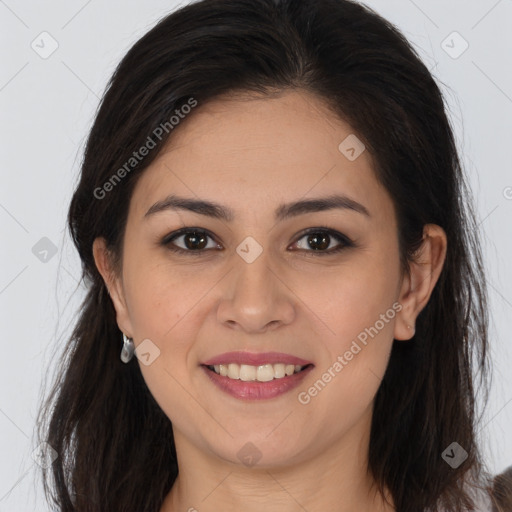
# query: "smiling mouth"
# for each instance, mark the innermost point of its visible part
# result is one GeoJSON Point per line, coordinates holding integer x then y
{"type": "Point", "coordinates": [261, 373]}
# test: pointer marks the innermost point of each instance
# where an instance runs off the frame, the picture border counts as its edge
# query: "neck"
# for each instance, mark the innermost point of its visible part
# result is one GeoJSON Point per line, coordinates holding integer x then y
{"type": "Point", "coordinates": [336, 479]}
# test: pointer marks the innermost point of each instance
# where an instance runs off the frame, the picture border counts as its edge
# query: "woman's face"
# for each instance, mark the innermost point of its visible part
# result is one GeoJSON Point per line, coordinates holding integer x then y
{"type": "Point", "coordinates": [266, 277]}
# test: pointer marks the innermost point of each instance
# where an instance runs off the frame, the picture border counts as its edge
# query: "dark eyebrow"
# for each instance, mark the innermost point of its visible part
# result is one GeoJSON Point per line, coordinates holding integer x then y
{"type": "Point", "coordinates": [283, 212]}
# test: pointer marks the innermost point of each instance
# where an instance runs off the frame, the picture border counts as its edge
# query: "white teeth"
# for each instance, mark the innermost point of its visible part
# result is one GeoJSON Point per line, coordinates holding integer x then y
{"type": "Point", "coordinates": [265, 373]}
{"type": "Point", "coordinates": [262, 373]}
{"type": "Point", "coordinates": [247, 372]}
{"type": "Point", "coordinates": [279, 371]}
{"type": "Point", "coordinates": [233, 371]}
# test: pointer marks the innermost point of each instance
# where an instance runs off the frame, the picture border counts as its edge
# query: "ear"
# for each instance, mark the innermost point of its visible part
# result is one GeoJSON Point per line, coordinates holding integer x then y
{"type": "Point", "coordinates": [113, 282]}
{"type": "Point", "coordinates": [418, 284]}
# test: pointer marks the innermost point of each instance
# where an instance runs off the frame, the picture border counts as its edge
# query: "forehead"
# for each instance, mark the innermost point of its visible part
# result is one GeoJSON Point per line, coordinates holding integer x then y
{"type": "Point", "coordinates": [251, 150]}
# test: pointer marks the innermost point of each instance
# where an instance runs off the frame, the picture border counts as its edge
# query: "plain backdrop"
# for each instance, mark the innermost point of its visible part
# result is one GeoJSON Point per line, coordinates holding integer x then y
{"type": "Point", "coordinates": [47, 105]}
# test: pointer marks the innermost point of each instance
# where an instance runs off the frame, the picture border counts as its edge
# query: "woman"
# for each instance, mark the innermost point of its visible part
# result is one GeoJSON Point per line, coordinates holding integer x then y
{"type": "Point", "coordinates": [272, 216]}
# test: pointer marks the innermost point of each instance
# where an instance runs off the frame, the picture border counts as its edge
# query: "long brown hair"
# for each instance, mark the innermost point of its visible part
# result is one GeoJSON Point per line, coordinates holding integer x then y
{"type": "Point", "coordinates": [115, 445]}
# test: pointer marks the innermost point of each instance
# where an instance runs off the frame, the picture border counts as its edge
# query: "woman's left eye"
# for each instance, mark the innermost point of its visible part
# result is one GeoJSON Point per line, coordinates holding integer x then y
{"type": "Point", "coordinates": [318, 240]}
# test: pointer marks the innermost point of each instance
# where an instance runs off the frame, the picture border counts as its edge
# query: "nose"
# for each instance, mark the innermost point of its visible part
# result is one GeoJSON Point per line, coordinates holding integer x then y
{"type": "Point", "coordinates": [256, 297]}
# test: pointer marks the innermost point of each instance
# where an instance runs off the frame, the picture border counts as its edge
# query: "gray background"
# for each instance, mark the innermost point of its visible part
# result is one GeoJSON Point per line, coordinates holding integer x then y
{"type": "Point", "coordinates": [47, 106]}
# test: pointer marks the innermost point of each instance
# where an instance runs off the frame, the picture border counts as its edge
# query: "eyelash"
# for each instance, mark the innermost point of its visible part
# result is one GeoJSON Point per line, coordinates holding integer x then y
{"type": "Point", "coordinates": [344, 241]}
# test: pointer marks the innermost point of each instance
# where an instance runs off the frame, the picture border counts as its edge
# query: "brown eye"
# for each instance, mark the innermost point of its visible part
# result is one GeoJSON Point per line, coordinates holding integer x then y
{"type": "Point", "coordinates": [189, 240]}
{"type": "Point", "coordinates": [195, 240]}
{"type": "Point", "coordinates": [324, 241]}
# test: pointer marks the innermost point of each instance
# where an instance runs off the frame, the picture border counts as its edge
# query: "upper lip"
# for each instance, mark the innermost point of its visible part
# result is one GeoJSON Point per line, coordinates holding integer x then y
{"type": "Point", "coordinates": [256, 359]}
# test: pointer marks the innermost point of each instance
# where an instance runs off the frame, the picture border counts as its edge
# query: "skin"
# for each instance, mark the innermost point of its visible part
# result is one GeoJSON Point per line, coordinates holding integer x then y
{"type": "Point", "coordinates": [251, 155]}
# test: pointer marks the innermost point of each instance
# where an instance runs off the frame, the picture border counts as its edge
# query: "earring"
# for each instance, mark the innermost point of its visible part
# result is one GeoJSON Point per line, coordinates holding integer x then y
{"type": "Point", "coordinates": [128, 349]}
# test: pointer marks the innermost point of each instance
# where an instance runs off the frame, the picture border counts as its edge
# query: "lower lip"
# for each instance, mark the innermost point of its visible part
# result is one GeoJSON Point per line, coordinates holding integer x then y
{"type": "Point", "coordinates": [254, 390]}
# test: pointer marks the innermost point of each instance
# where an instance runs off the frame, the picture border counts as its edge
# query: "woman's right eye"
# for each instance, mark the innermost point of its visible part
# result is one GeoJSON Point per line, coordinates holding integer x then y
{"type": "Point", "coordinates": [191, 240]}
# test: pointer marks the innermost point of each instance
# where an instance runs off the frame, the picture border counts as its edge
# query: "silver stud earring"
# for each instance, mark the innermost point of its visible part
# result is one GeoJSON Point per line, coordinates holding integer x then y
{"type": "Point", "coordinates": [128, 349]}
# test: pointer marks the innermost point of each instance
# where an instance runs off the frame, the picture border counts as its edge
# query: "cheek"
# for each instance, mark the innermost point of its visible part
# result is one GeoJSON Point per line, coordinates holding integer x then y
{"type": "Point", "coordinates": [162, 298]}
{"type": "Point", "coordinates": [351, 298]}
{"type": "Point", "coordinates": [164, 307]}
